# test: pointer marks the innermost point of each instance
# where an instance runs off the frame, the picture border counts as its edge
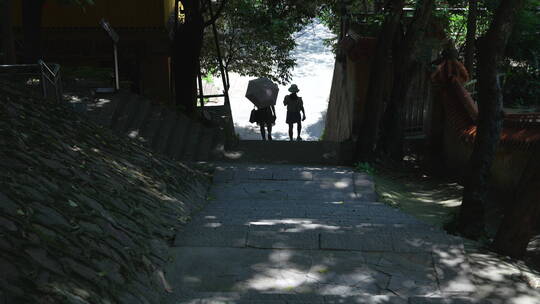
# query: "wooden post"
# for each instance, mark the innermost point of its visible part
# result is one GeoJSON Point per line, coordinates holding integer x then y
{"type": "Point", "coordinates": [201, 91]}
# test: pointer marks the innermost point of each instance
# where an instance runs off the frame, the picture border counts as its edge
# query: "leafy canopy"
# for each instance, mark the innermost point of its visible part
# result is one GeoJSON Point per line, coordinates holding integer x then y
{"type": "Point", "coordinates": [257, 37]}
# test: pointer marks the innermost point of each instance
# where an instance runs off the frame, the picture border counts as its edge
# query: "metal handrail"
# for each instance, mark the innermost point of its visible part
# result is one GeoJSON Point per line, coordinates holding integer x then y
{"type": "Point", "coordinates": [46, 71]}
{"type": "Point", "coordinates": [56, 67]}
{"type": "Point", "coordinates": [47, 74]}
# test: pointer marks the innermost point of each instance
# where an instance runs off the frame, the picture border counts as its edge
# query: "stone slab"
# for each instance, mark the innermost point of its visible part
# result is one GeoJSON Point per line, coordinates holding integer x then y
{"type": "Point", "coordinates": [363, 182]}
{"type": "Point", "coordinates": [453, 270]}
{"type": "Point", "coordinates": [254, 174]}
{"type": "Point", "coordinates": [292, 190]}
{"type": "Point", "coordinates": [150, 127]}
{"type": "Point", "coordinates": [446, 300]}
{"type": "Point", "coordinates": [406, 240]}
{"type": "Point", "coordinates": [178, 139]}
{"type": "Point", "coordinates": [373, 241]}
{"type": "Point", "coordinates": [282, 240]}
{"type": "Point", "coordinates": [365, 299]}
{"type": "Point", "coordinates": [161, 139]}
{"type": "Point", "coordinates": [221, 176]}
{"type": "Point", "coordinates": [308, 234]}
{"type": "Point", "coordinates": [287, 174]}
{"type": "Point", "coordinates": [211, 269]}
{"type": "Point", "coordinates": [193, 139]}
{"type": "Point", "coordinates": [213, 237]}
{"type": "Point", "coordinates": [139, 119]}
{"type": "Point", "coordinates": [206, 144]}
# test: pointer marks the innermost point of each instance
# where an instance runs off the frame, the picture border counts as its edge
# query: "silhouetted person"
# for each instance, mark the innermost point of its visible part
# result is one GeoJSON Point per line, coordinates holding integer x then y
{"type": "Point", "coordinates": [266, 117]}
{"type": "Point", "coordinates": [295, 105]}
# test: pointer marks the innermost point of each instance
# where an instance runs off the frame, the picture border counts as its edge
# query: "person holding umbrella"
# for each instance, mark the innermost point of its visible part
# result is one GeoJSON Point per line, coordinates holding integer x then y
{"type": "Point", "coordinates": [266, 117]}
{"type": "Point", "coordinates": [262, 92]}
{"type": "Point", "coordinates": [295, 105]}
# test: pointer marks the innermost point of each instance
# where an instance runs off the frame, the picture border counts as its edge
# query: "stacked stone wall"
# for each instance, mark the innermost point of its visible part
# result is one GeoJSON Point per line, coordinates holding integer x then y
{"type": "Point", "coordinates": [85, 216]}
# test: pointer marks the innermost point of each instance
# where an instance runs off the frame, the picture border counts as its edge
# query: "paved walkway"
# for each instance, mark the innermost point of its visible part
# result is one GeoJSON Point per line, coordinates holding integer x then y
{"type": "Point", "coordinates": [292, 234]}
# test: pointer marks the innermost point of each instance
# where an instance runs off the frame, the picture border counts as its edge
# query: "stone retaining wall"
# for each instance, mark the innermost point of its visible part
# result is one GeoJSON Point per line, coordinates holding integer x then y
{"type": "Point", "coordinates": [86, 216]}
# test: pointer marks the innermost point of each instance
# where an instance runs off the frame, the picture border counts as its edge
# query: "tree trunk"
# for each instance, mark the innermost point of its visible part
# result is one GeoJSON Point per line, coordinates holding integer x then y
{"type": "Point", "coordinates": [377, 90]}
{"type": "Point", "coordinates": [187, 45]}
{"type": "Point", "coordinates": [470, 42]}
{"type": "Point", "coordinates": [392, 139]}
{"type": "Point", "coordinates": [519, 223]}
{"type": "Point", "coordinates": [31, 26]}
{"type": "Point", "coordinates": [491, 48]}
{"type": "Point", "coordinates": [8, 40]}
{"type": "Point", "coordinates": [522, 218]}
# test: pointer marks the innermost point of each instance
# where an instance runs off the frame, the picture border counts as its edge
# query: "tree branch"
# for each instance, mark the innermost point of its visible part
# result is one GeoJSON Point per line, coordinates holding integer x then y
{"type": "Point", "coordinates": [215, 16]}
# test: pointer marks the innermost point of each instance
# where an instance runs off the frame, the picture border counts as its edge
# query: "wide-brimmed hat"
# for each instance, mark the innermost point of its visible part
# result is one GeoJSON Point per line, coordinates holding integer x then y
{"type": "Point", "coordinates": [294, 88]}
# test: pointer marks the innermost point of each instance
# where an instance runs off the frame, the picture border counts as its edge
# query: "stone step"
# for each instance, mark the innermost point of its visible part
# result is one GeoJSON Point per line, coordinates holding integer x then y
{"type": "Point", "coordinates": [102, 110]}
{"type": "Point", "coordinates": [305, 152]}
{"type": "Point", "coordinates": [192, 142]}
{"type": "Point", "coordinates": [121, 110]}
{"type": "Point", "coordinates": [134, 126]}
{"type": "Point", "coordinates": [150, 126]}
{"type": "Point", "coordinates": [283, 298]}
{"type": "Point", "coordinates": [161, 139]}
{"type": "Point", "coordinates": [125, 114]}
{"type": "Point", "coordinates": [160, 128]}
{"type": "Point", "coordinates": [205, 145]}
{"type": "Point", "coordinates": [254, 271]}
{"type": "Point", "coordinates": [448, 300]}
{"type": "Point", "coordinates": [243, 234]}
{"type": "Point", "coordinates": [218, 145]}
{"type": "Point", "coordinates": [177, 140]}
{"type": "Point", "coordinates": [225, 173]}
{"type": "Point", "coordinates": [137, 111]}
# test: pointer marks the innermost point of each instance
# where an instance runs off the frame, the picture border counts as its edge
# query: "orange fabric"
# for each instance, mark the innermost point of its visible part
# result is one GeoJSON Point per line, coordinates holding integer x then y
{"type": "Point", "coordinates": [520, 131]}
{"type": "Point", "coordinates": [450, 70]}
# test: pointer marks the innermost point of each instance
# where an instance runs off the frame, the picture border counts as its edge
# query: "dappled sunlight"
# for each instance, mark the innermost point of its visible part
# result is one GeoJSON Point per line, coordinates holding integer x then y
{"type": "Point", "coordinates": [283, 237]}
{"type": "Point", "coordinates": [429, 199]}
{"type": "Point", "coordinates": [497, 277]}
{"type": "Point", "coordinates": [294, 225]}
{"type": "Point", "coordinates": [341, 184]}
{"type": "Point", "coordinates": [133, 134]}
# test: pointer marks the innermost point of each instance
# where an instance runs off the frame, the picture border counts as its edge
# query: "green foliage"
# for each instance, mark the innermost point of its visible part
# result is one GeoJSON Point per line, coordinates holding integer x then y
{"type": "Point", "coordinates": [524, 45]}
{"type": "Point", "coordinates": [522, 64]}
{"type": "Point", "coordinates": [365, 167]}
{"type": "Point", "coordinates": [209, 78]}
{"type": "Point", "coordinates": [257, 37]}
{"type": "Point", "coordinates": [522, 87]}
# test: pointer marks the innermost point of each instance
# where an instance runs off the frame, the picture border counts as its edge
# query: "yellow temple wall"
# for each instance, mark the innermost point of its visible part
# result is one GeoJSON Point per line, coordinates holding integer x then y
{"type": "Point", "coordinates": [119, 13]}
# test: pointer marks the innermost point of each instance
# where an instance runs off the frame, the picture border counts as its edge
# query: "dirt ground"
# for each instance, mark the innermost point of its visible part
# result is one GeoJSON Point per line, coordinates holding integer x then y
{"type": "Point", "coordinates": [435, 200]}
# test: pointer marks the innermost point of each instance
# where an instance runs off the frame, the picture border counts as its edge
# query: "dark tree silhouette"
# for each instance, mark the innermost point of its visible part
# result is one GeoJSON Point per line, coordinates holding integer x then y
{"type": "Point", "coordinates": [187, 44]}
{"type": "Point", "coordinates": [377, 90]}
{"type": "Point", "coordinates": [491, 49]}
{"type": "Point", "coordinates": [31, 27]}
{"type": "Point", "coordinates": [8, 42]}
{"type": "Point", "coordinates": [521, 218]}
{"type": "Point", "coordinates": [470, 43]}
{"type": "Point", "coordinates": [405, 62]}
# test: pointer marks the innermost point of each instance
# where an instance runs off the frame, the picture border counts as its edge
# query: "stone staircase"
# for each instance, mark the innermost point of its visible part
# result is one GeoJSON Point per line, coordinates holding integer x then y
{"type": "Point", "coordinates": [286, 152]}
{"type": "Point", "coordinates": [293, 234]}
{"type": "Point", "coordinates": [182, 138]}
{"type": "Point", "coordinates": [158, 127]}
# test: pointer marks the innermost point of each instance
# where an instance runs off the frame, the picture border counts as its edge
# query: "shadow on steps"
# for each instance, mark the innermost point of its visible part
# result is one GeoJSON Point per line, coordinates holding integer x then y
{"type": "Point", "coordinates": [157, 126]}
{"type": "Point", "coordinates": [282, 152]}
